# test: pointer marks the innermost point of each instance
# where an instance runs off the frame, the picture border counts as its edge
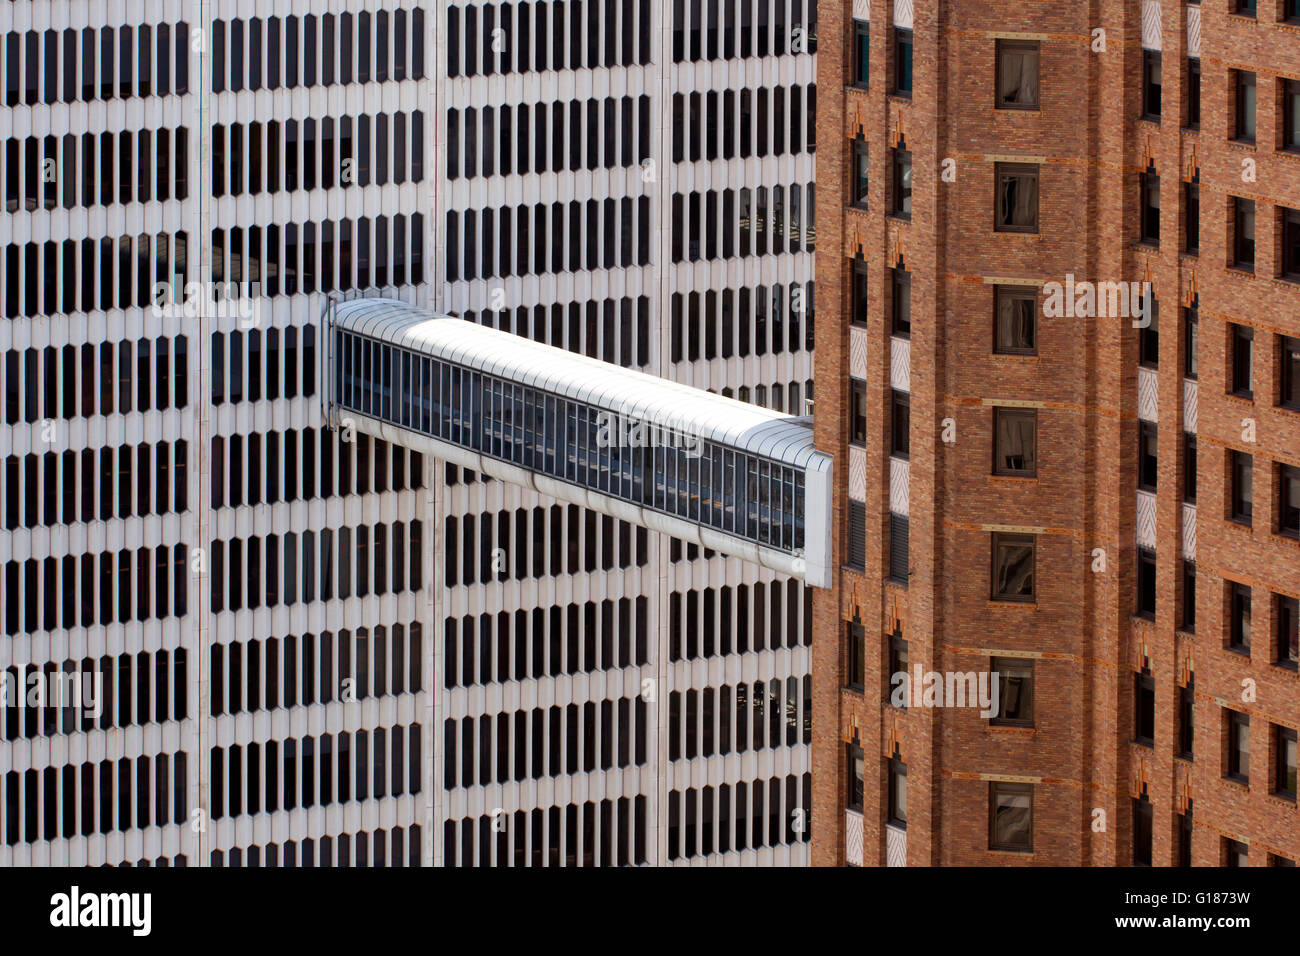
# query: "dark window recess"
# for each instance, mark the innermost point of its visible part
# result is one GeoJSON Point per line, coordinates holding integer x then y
{"type": "Point", "coordinates": [1151, 84]}
{"type": "Point", "coordinates": [1239, 597]}
{"type": "Point", "coordinates": [1243, 233]}
{"type": "Point", "coordinates": [1017, 79]}
{"type": "Point", "coordinates": [1016, 207]}
{"type": "Point", "coordinates": [898, 553]}
{"type": "Point", "coordinates": [1015, 314]}
{"type": "Point", "coordinates": [901, 185]}
{"type": "Point", "coordinates": [1192, 218]}
{"type": "Point", "coordinates": [1013, 567]}
{"type": "Point", "coordinates": [857, 534]}
{"type": "Point", "coordinates": [1146, 584]}
{"type": "Point", "coordinates": [1015, 441]}
{"type": "Point", "coordinates": [1243, 492]}
{"type": "Point", "coordinates": [1144, 708]}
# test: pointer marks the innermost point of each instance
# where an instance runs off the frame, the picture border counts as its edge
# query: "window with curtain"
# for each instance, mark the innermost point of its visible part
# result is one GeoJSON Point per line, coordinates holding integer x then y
{"type": "Point", "coordinates": [1017, 76]}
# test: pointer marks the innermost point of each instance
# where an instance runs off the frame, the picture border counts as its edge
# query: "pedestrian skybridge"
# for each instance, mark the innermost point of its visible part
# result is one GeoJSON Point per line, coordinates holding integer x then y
{"type": "Point", "coordinates": [709, 470]}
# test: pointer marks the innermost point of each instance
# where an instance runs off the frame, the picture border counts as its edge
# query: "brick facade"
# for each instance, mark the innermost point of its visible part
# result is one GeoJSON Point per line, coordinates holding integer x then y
{"type": "Point", "coordinates": [1081, 631]}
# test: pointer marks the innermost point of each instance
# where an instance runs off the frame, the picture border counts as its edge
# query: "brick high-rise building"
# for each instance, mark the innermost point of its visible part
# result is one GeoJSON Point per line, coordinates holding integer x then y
{"type": "Point", "coordinates": [1098, 505]}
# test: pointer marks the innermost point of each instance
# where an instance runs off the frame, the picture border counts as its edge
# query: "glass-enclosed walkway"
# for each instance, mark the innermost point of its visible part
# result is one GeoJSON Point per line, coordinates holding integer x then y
{"type": "Point", "coordinates": [709, 470]}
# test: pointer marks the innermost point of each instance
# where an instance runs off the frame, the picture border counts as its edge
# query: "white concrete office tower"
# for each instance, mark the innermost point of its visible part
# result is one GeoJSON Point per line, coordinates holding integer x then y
{"type": "Point", "coordinates": [300, 646]}
{"type": "Point", "coordinates": [630, 179]}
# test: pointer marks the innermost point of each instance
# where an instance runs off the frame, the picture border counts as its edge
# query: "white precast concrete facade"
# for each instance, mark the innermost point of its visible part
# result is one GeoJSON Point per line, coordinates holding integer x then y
{"type": "Point", "coordinates": [273, 603]}
{"type": "Point", "coordinates": [682, 196]}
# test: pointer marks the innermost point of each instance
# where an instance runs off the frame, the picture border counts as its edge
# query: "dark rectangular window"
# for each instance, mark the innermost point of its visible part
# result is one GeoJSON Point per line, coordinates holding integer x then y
{"type": "Point", "coordinates": [900, 303]}
{"type": "Point", "coordinates": [902, 62]}
{"type": "Point", "coordinates": [1143, 830]}
{"type": "Point", "coordinates": [1191, 218]}
{"type": "Point", "coordinates": [1235, 854]}
{"type": "Point", "coordinates": [1243, 360]}
{"type": "Point", "coordinates": [1289, 380]}
{"type": "Point", "coordinates": [1238, 733]}
{"type": "Point", "coordinates": [1015, 320]}
{"type": "Point", "coordinates": [1243, 233]}
{"type": "Point", "coordinates": [1013, 567]}
{"type": "Point", "coordinates": [896, 806]}
{"type": "Point", "coordinates": [857, 534]}
{"type": "Point", "coordinates": [1144, 708]}
{"type": "Point", "coordinates": [1151, 85]}
{"type": "Point", "coordinates": [858, 294]}
{"type": "Point", "coordinates": [855, 656]}
{"type": "Point", "coordinates": [1291, 113]}
{"type": "Point", "coordinates": [1288, 501]}
{"type": "Point", "coordinates": [1150, 217]}
{"type": "Point", "coordinates": [1244, 102]}
{"type": "Point", "coordinates": [1015, 677]}
{"type": "Point", "coordinates": [1186, 720]}
{"type": "Point", "coordinates": [900, 419]}
{"type": "Point", "coordinates": [1239, 596]}
{"type": "Point", "coordinates": [1242, 481]}
{"type": "Point", "coordinates": [1015, 441]}
{"type": "Point", "coordinates": [861, 53]}
{"type": "Point", "coordinates": [1185, 828]}
{"type": "Point", "coordinates": [1016, 207]}
{"type": "Point", "coordinates": [1289, 229]}
{"type": "Point", "coordinates": [1017, 74]}
{"type": "Point", "coordinates": [1244, 7]}
{"type": "Point", "coordinates": [1284, 776]}
{"type": "Point", "coordinates": [898, 548]}
{"type": "Point", "coordinates": [1148, 470]}
{"type": "Point", "coordinates": [853, 796]}
{"type": "Point", "coordinates": [1189, 468]}
{"type": "Point", "coordinates": [1011, 817]}
{"type": "Point", "coordinates": [1146, 584]}
{"type": "Point", "coordinates": [899, 654]}
{"type": "Point", "coordinates": [858, 412]}
{"type": "Point", "coordinates": [1286, 621]}
{"type": "Point", "coordinates": [859, 182]}
{"type": "Point", "coordinates": [901, 185]}
{"type": "Point", "coordinates": [1191, 323]}
{"type": "Point", "coordinates": [1193, 93]}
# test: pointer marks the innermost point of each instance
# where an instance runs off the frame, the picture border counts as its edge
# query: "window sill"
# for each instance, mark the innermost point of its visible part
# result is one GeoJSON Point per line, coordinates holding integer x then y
{"type": "Point", "coordinates": [1014, 477]}
{"type": "Point", "coordinates": [1245, 524]}
{"type": "Point", "coordinates": [1242, 269]}
{"type": "Point", "coordinates": [1284, 796]}
{"type": "Point", "coordinates": [899, 217]}
{"type": "Point", "coordinates": [1290, 666]}
{"type": "Point", "coordinates": [1241, 782]}
{"type": "Point", "coordinates": [1147, 118]}
{"type": "Point", "coordinates": [1007, 851]}
{"type": "Point", "coordinates": [1239, 651]}
{"type": "Point", "coordinates": [899, 97]}
{"type": "Point", "coordinates": [1012, 603]}
{"type": "Point", "coordinates": [1185, 757]}
{"type": "Point", "coordinates": [1147, 742]}
{"type": "Point", "coordinates": [1017, 108]}
{"type": "Point", "coordinates": [1012, 728]}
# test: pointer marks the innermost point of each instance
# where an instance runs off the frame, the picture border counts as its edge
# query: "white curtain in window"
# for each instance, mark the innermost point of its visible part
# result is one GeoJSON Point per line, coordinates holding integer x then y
{"type": "Point", "coordinates": [1018, 81]}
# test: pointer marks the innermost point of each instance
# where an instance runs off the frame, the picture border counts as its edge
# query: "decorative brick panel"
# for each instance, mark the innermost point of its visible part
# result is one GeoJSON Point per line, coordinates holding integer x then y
{"type": "Point", "coordinates": [853, 837]}
{"type": "Point", "coordinates": [1193, 30]}
{"type": "Point", "coordinates": [857, 473]}
{"type": "Point", "coordinates": [1151, 27]}
{"type": "Point", "coordinates": [900, 364]}
{"type": "Point", "coordinates": [858, 353]}
{"type": "Point", "coordinates": [1189, 532]}
{"type": "Point", "coordinates": [1146, 519]}
{"type": "Point", "coordinates": [900, 479]}
{"type": "Point", "coordinates": [895, 846]}
{"type": "Point", "coordinates": [1148, 395]}
{"type": "Point", "coordinates": [1189, 405]}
